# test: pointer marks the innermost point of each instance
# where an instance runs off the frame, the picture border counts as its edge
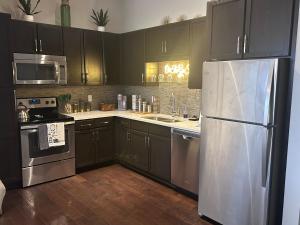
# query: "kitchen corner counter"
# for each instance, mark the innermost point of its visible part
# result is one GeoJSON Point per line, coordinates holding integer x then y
{"type": "Point", "coordinates": [191, 126]}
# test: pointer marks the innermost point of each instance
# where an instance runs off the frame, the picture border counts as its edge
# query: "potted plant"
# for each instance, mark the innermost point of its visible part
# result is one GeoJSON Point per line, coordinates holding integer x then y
{"type": "Point", "coordinates": [25, 6]}
{"type": "Point", "coordinates": [100, 19]}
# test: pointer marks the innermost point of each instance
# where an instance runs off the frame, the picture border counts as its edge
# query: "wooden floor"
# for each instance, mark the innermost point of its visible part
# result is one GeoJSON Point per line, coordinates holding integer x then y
{"type": "Point", "coordinates": [107, 196]}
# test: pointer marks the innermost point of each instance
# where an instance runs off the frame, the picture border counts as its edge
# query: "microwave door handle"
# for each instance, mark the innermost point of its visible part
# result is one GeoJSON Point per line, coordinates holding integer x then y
{"type": "Point", "coordinates": [57, 73]}
{"type": "Point", "coordinates": [14, 70]}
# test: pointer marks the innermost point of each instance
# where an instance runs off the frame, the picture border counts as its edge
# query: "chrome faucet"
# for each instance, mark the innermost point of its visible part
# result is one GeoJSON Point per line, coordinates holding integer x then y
{"type": "Point", "coordinates": [173, 104]}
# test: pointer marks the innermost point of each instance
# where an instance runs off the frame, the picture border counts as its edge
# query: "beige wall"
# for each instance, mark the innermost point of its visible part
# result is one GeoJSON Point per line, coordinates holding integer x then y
{"type": "Point", "coordinates": [148, 13]}
{"type": "Point", "coordinates": [80, 12]}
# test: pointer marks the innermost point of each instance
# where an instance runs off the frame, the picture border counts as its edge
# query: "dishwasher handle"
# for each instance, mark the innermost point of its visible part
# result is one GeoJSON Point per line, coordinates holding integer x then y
{"type": "Point", "coordinates": [186, 135]}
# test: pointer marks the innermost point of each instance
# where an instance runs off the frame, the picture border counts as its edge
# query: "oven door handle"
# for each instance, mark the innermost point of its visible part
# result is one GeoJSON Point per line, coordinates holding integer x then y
{"type": "Point", "coordinates": [31, 131]}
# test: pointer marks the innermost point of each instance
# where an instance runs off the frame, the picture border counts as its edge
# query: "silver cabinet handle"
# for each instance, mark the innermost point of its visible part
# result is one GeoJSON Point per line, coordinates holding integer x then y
{"type": "Point", "coordinates": [162, 47]}
{"type": "Point", "coordinates": [14, 70]}
{"type": "Point", "coordinates": [238, 46]}
{"type": "Point", "coordinates": [142, 78]}
{"type": "Point", "coordinates": [36, 45]}
{"type": "Point", "coordinates": [41, 46]}
{"type": "Point", "coordinates": [148, 142]}
{"type": "Point", "coordinates": [245, 43]}
{"type": "Point", "coordinates": [15, 99]}
{"type": "Point", "coordinates": [166, 47]}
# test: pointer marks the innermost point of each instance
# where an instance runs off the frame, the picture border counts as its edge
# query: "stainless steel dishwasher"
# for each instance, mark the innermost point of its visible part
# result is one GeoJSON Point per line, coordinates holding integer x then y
{"type": "Point", "coordinates": [185, 160]}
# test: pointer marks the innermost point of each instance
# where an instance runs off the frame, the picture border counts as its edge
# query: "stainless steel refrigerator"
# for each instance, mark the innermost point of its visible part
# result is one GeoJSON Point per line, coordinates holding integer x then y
{"type": "Point", "coordinates": [240, 114]}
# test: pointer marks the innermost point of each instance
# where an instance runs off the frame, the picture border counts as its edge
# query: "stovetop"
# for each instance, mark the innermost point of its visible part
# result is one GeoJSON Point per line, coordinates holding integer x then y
{"type": "Point", "coordinates": [52, 117]}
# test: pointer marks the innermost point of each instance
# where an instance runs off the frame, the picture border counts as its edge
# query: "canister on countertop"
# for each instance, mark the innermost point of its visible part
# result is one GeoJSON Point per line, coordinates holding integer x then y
{"type": "Point", "coordinates": [144, 107]}
{"type": "Point", "coordinates": [120, 98]}
{"type": "Point", "coordinates": [124, 103]}
{"type": "Point", "coordinates": [149, 108]}
{"type": "Point", "coordinates": [140, 103]}
{"type": "Point", "coordinates": [134, 102]}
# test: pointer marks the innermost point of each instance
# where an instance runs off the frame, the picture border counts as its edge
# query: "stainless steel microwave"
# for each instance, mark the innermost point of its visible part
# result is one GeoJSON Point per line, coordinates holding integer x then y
{"type": "Point", "coordinates": [39, 69]}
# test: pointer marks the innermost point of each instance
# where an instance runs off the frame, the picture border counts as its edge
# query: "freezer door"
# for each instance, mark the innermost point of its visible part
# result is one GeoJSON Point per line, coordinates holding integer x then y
{"type": "Point", "coordinates": [239, 90]}
{"type": "Point", "coordinates": [233, 176]}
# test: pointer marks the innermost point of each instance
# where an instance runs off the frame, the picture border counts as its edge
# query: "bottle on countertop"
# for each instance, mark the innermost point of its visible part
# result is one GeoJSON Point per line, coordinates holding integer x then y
{"type": "Point", "coordinates": [185, 112]}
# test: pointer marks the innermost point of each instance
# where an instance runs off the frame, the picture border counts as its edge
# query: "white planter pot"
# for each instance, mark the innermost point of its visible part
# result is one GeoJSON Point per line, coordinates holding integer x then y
{"type": "Point", "coordinates": [28, 18]}
{"type": "Point", "coordinates": [100, 28]}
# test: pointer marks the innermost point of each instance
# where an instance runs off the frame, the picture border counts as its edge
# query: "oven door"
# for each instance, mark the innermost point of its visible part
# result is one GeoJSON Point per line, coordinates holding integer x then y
{"type": "Point", "coordinates": [32, 154]}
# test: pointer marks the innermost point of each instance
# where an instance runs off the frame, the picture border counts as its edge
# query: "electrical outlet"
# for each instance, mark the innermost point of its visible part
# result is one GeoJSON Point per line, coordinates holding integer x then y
{"type": "Point", "coordinates": [90, 98]}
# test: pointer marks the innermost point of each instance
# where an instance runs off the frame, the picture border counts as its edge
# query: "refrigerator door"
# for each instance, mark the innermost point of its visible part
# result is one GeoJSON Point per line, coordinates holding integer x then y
{"type": "Point", "coordinates": [233, 172]}
{"type": "Point", "coordinates": [239, 90]}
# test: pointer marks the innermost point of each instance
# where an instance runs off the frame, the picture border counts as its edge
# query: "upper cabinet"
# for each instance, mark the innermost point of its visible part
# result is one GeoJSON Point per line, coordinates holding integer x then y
{"type": "Point", "coordinates": [169, 42]}
{"type": "Point", "coordinates": [268, 28]}
{"type": "Point", "coordinates": [258, 28]}
{"type": "Point", "coordinates": [198, 51]}
{"type": "Point", "coordinates": [227, 27]}
{"type": "Point", "coordinates": [84, 53]}
{"type": "Point", "coordinates": [133, 58]}
{"type": "Point", "coordinates": [33, 38]}
{"type": "Point", "coordinates": [111, 58]}
{"type": "Point", "coordinates": [93, 61]}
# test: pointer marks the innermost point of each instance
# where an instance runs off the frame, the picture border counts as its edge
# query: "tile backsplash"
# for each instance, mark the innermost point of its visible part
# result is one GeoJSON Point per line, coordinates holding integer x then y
{"type": "Point", "coordinates": [108, 94]}
{"type": "Point", "coordinates": [101, 94]}
{"type": "Point", "coordinates": [184, 96]}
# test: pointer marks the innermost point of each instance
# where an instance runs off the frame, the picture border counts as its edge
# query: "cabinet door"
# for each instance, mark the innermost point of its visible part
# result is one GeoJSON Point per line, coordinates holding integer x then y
{"type": "Point", "coordinates": [105, 146]}
{"type": "Point", "coordinates": [85, 148]}
{"type": "Point", "coordinates": [23, 37]}
{"type": "Point", "coordinates": [112, 58]}
{"type": "Point", "coordinates": [160, 157]}
{"type": "Point", "coordinates": [8, 119]}
{"type": "Point", "coordinates": [10, 161]}
{"type": "Point", "coordinates": [227, 29]}
{"type": "Point", "coordinates": [123, 149]}
{"type": "Point", "coordinates": [198, 52]}
{"type": "Point", "coordinates": [177, 41]}
{"type": "Point", "coordinates": [93, 57]}
{"type": "Point", "coordinates": [268, 28]}
{"type": "Point", "coordinates": [139, 146]}
{"type": "Point", "coordinates": [133, 58]}
{"type": "Point", "coordinates": [50, 39]}
{"type": "Point", "coordinates": [155, 44]}
{"type": "Point", "coordinates": [6, 75]}
{"type": "Point", "coordinates": [73, 47]}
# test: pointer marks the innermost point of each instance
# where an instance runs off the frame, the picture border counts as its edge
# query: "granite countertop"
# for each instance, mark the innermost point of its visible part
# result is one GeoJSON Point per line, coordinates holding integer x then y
{"type": "Point", "coordinates": [191, 126]}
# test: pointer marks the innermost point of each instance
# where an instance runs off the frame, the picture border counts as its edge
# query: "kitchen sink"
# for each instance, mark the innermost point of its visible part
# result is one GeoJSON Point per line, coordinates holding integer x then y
{"type": "Point", "coordinates": [162, 119]}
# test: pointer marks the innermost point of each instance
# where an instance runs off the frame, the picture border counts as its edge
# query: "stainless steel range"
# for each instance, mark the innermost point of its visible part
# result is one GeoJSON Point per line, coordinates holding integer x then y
{"type": "Point", "coordinates": [41, 165]}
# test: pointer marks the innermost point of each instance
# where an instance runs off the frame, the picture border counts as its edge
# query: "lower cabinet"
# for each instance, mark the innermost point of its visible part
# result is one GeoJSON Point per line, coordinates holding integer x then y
{"type": "Point", "coordinates": [145, 146]}
{"type": "Point", "coordinates": [85, 148]}
{"type": "Point", "coordinates": [140, 150]}
{"type": "Point", "coordinates": [94, 142]}
{"type": "Point", "coordinates": [160, 156]}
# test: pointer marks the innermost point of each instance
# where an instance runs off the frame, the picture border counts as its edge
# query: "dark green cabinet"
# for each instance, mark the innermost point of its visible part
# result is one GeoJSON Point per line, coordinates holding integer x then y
{"type": "Point", "coordinates": [84, 53]}
{"type": "Point", "coordinates": [227, 29]}
{"type": "Point", "coordinates": [160, 156]}
{"type": "Point", "coordinates": [85, 148]}
{"type": "Point", "coordinates": [145, 146]}
{"type": "Point", "coordinates": [94, 142]}
{"type": "Point", "coordinates": [10, 155]}
{"type": "Point", "coordinates": [250, 29]}
{"type": "Point", "coordinates": [139, 147]}
{"type": "Point", "coordinates": [73, 50]}
{"type": "Point", "coordinates": [105, 146]}
{"type": "Point", "coordinates": [268, 28]}
{"type": "Point", "coordinates": [112, 58]}
{"type": "Point", "coordinates": [93, 63]}
{"type": "Point", "coordinates": [33, 38]}
{"type": "Point", "coordinates": [133, 58]}
{"type": "Point", "coordinates": [168, 42]}
{"type": "Point", "coordinates": [198, 51]}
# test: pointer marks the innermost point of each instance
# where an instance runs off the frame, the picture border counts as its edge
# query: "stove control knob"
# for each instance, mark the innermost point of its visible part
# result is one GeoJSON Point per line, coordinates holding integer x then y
{"type": "Point", "coordinates": [47, 102]}
{"type": "Point", "coordinates": [52, 102]}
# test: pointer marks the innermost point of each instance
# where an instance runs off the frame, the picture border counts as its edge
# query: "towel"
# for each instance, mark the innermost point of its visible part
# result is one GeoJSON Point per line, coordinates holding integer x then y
{"type": "Point", "coordinates": [51, 135]}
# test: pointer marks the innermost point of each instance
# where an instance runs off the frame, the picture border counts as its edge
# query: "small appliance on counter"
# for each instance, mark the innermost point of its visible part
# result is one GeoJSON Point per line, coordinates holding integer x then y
{"type": "Point", "coordinates": [47, 141]}
{"type": "Point", "coordinates": [122, 102]}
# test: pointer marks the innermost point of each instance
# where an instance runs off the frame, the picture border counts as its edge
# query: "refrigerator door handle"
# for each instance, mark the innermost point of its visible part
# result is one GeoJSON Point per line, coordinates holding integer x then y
{"type": "Point", "coordinates": [268, 98]}
{"type": "Point", "coordinates": [266, 155]}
